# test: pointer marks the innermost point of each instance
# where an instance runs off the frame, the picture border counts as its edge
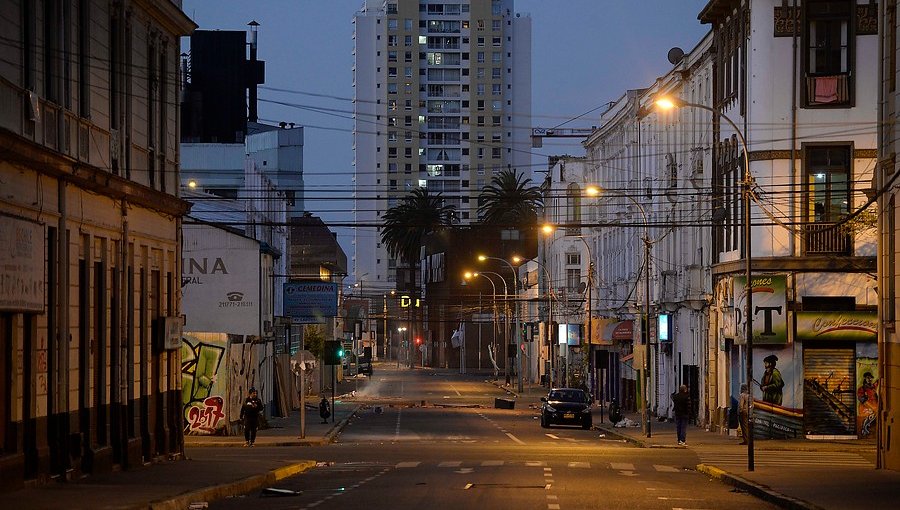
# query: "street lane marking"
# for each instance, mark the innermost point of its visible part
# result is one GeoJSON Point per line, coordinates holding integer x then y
{"type": "Point", "coordinates": [551, 436]}
{"type": "Point", "coordinates": [458, 394]}
{"type": "Point", "coordinates": [666, 498]}
{"type": "Point", "coordinates": [580, 465]}
{"type": "Point", "coordinates": [407, 464]}
{"type": "Point", "coordinates": [535, 463]}
{"type": "Point", "coordinates": [552, 506]}
{"type": "Point", "coordinates": [464, 471]}
{"type": "Point", "coordinates": [621, 466]}
{"type": "Point", "coordinates": [514, 438]}
{"type": "Point", "coordinates": [552, 497]}
{"type": "Point", "coordinates": [666, 469]}
{"type": "Point", "coordinates": [397, 427]}
{"type": "Point", "coordinates": [451, 463]}
{"type": "Point", "coordinates": [548, 474]}
{"type": "Point", "coordinates": [468, 486]}
{"type": "Point", "coordinates": [488, 463]}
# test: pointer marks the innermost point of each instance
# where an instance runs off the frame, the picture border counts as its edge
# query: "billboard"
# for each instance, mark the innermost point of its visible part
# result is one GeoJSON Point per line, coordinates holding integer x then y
{"type": "Point", "coordinates": [310, 302]}
{"type": "Point", "coordinates": [220, 281]}
{"type": "Point", "coordinates": [769, 309]}
{"type": "Point", "coordinates": [21, 265]}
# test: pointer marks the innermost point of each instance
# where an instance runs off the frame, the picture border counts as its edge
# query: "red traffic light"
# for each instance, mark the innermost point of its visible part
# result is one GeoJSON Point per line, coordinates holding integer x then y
{"type": "Point", "coordinates": [418, 340]}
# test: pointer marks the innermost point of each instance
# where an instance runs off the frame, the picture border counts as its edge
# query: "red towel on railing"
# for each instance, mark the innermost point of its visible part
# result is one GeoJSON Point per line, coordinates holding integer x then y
{"type": "Point", "coordinates": [826, 90]}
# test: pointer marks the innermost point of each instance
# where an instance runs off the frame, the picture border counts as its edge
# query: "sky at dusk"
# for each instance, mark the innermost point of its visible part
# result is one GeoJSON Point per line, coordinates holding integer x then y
{"type": "Point", "coordinates": [585, 53]}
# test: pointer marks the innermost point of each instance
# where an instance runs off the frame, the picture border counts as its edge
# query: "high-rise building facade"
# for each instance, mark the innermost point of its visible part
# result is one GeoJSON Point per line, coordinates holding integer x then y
{"type": "Point", "coordinates": [443, 101]}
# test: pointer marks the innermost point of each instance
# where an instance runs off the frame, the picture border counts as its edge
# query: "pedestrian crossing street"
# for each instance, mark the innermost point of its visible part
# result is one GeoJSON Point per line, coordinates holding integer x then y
{"type": "Point", "coordinates": [615, 466]}
{"type": "Point", "coordinates": [775, 458]}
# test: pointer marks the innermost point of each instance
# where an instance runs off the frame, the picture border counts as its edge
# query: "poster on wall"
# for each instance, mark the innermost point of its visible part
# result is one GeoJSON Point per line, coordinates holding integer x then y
{"type": "Point", "coordinates": [220, 281]}
{"type": "Point", "coordinates": [21, 265]}
{"type": "Point", "coordinates": [777, 393]}
{"type": "Point", "coordinates": [866, 396]}
{"type": "Point", "coordinates": [769, 309]}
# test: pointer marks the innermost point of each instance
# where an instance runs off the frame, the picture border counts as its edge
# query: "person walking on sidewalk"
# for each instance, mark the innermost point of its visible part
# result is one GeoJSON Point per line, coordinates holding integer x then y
{"type": "Point", "coordinates": [324, 410]}
{"type": "Point", "coordinates": [682, 403]}
{"type": "Point", "coordinates": [250, 412]}
{"type": "Point", "coordinates": [744, 413]}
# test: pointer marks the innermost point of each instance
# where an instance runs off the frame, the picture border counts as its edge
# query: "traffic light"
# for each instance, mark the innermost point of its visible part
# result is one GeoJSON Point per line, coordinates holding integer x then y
{"type": "Point", "coordinates": [333, 352]}
{"type": "Point", "coordinates": [418, 341]}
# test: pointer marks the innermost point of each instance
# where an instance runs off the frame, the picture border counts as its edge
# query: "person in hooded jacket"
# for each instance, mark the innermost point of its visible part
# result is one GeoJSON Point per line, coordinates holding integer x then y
{"type": "Point", "coordinates": [250, 413]}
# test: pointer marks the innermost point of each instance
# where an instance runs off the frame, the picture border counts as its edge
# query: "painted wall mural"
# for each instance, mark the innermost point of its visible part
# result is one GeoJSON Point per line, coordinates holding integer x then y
{"type": "Point", "coordinates": [866, 396]}
{"type": "Point", "coordinates": [249, 366]}
{"type": "Point", "coordinates": [203, 395]}
{"type": "Point", "coordinates": [777, 393]}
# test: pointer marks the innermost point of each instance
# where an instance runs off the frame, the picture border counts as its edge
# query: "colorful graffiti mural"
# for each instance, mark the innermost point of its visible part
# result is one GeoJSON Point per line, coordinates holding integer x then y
{"type": "Point", "coordinates": [777, 409]}
{"type": "Point", "coordinates": [201, 391]}
{"type": "Point", "coordinates": [866, 396]}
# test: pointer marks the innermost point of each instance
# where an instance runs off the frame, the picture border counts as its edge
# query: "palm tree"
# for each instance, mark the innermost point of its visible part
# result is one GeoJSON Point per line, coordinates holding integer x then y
{"type": "Point", "coordinates": [407, 223]}
{"type": "Point", "coordinates": [510, 199]}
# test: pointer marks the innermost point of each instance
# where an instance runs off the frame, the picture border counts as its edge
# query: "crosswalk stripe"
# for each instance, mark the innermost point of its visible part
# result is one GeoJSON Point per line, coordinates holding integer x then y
{"type": "Point", "coordinates": [489, 463]}
{"type": "Point", "coordinates": [666, 469]}
{"type": "Point", "coordinates": [535, 463]}
{"type": "Point", "coordinates": [621, 466]}
{"type": "Point", "coordinates": [454, 463]}
{"type": "Point", "coordinates": [580, 465]}
{"type": "Point", "coordinates": [408, 464]}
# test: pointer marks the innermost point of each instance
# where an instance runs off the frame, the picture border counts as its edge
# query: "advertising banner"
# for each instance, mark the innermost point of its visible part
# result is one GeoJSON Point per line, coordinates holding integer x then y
{"type": "Point", "coordinates": [845, 326]}
{"type": "Point", "coordinates": [21, 265]}
{"type": "Point", "coordinates": [769, 309]}
{"type": "Point", "coordinates": [310, 302]}
{"type": "Point", "coordinates": [220, 281]}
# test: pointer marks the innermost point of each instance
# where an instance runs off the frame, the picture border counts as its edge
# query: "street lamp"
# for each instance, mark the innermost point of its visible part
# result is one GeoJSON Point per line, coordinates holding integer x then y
{"type": "Point", "coordinates": [517, 333]}
{"type": "Point", "coordinates": [668, 103]}
{"type": "Point", "coordinates": [484, 274]}
{"type": "Point", "coordinates": [549, 229]}
{"type": "Point", "coordinates": [596, 191]}
{"type": "Point", "coordinates": [468, 275]}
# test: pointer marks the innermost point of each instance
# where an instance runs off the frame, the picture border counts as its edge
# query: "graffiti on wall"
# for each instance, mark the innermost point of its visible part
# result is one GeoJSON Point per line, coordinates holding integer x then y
{"type": "Point", "coordinates": [204, 405]}
{"type": "Point", "coordinates": [247, 368]}
{"type": "Point", "coordinates": [866, 396]}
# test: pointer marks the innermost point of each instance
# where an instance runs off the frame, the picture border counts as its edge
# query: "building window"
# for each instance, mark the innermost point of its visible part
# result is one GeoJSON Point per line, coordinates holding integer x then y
{"type": "Point", "coordinates": [480, 57]}
{"type": "Point", "coordinates": [573, 279]}
{"type": "Point", "coordinates": [828, 40]}
{"type": "Point", "coordinates": [495, 152]}
{"type": "Point", "coordinates": [828, 195]}
{"type": "Point", "coordinates": [495, 73]}
{"type": "Point", "coordinates": [573, 259]}
{"type": "Point", "coordinates": [496, 57]}
{"type": "Point", "coordinates": [495, 25]}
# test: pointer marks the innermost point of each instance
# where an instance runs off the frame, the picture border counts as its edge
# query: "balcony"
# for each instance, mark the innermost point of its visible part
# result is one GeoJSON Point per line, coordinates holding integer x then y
{"type": "Point", "coordinates": [826, 239]}
{"type": "Point", "coordinates": [830, 90]}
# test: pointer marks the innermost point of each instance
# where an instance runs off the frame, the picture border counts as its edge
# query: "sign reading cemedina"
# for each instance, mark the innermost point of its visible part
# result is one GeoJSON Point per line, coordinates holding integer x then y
{"type": "Point", "coordinates": [310, 302]}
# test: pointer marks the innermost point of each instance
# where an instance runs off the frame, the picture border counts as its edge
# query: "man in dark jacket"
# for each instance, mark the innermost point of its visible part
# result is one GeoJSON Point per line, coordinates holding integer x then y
{"type": "Point", "coordinates": [682, 403]}
{"type": "Point", "coordinates": [324, 410]}
{"type": "Point", "coordinates": [250, 412]}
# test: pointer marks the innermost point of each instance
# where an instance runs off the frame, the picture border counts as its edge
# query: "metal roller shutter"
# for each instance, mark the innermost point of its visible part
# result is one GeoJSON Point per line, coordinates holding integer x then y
{"type": "Point", "coordinates": [828, 391]}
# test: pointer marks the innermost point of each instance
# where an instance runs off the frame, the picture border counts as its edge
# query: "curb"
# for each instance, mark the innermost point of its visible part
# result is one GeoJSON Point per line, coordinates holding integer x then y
{"type": "Point", "coordinates": [759, 491]}
{"type": "Point", "coordinates": [613, 432]}
{"type": "Point", "coordinates": [225, 490]}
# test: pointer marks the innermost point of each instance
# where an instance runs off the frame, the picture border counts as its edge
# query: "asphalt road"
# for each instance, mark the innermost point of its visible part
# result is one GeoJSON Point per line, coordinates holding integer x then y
{"type": "Point", "coordinates": [456, 451]}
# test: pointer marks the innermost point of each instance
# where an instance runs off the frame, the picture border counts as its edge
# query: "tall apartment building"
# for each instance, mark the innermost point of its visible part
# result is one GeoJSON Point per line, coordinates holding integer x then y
{"type": "Point", "coordinates": [443, 101]}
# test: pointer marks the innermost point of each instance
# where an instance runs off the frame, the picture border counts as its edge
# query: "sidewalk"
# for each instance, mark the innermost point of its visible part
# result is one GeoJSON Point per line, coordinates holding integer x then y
{"type": "Point", "coordinates": [788, 473]}
{"type": "Point", "coordinates": [200, 477]}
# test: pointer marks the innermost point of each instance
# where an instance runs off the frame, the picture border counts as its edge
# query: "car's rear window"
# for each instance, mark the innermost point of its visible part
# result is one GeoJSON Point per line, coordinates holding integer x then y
{"type": "Point", "coordinates": [567, 396]}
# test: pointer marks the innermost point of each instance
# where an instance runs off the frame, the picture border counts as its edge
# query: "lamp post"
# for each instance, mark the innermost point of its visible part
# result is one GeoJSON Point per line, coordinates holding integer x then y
{"type": "Point", "coordinates": [549, 229]}
{"type": "Point", "coordinates": [400, 330]}
{"type": "Point", "coordinates": [484, 274]}
{"type": "Point", "coordinates": [549, 333]}
{"type": "Point", "coordinates": [517, 332]}
{"type": "Point", "coordinates": [468, 276]}
{"type": "Point", "coordinates": [645, 328]}
{"type": "Point", "coordinates": [667, 103]}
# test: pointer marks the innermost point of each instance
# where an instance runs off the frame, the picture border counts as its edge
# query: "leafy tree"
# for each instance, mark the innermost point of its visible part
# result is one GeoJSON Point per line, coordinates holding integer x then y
{"type": "Point", "coordinates": [314, 339]}
{"type": "Point", "coordinates": [510, 199]}
{"type": "Point", "coordinates": [407, 223]}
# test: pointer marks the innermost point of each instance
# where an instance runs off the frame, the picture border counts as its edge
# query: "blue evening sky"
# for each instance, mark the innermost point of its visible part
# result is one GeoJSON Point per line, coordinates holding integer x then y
{"type": "Point", "coordinates": [585, 53]}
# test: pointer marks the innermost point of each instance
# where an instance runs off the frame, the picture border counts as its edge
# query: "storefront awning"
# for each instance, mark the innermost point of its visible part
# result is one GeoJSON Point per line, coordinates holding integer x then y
{"type": "Point", "coordinates": [608, 331]}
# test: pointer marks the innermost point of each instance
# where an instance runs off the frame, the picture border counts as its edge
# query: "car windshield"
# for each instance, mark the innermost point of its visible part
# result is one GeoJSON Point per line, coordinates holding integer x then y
{"type": "Point", "coordinates": [567, 396]}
